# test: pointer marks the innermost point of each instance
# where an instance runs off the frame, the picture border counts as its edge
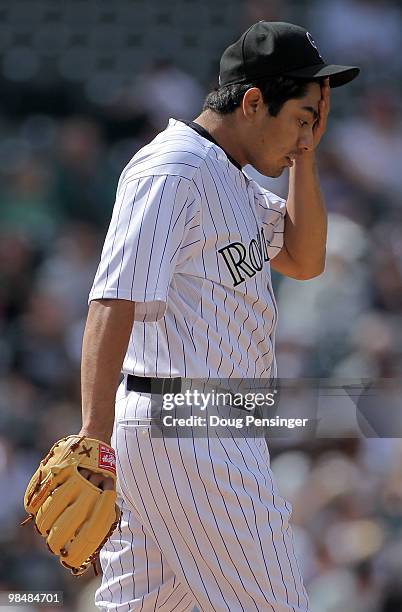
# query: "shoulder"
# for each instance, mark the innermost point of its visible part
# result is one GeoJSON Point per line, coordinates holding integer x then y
{"type": "Point", "coordinates": [177, 151]}
{"type": "Point", "coordinates": [267, 200]}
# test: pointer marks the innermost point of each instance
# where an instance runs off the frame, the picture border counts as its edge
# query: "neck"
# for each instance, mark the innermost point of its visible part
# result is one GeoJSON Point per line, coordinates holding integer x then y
{"type": "Point", "coordinates": [224, 130]}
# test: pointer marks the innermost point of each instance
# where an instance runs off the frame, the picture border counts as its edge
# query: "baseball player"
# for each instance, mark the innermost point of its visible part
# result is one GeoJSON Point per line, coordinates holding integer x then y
{"type": "Point", "coordinates": [183, 291]}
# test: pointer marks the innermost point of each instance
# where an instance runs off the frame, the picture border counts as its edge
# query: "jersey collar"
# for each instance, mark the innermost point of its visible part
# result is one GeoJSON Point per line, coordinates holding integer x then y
{"type": "Point", "coordinates": [205, 134]}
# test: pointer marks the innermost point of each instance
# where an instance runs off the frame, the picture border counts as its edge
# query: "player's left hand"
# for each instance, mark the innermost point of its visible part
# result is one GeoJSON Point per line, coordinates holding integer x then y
{"type": "Point", "coordinates": [323, 112]}
{"type": "Point", "coordinates": [72, 500]}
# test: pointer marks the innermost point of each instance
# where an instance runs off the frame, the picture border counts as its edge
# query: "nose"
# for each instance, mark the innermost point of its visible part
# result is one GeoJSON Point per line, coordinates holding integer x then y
{"type": "Point", "coordinates": [306, 140]}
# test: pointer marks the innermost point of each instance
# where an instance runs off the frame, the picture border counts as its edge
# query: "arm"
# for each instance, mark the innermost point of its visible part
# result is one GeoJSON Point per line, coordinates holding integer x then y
{"type": "Point", "coordinates": [106, 338]}
{"type": "Point", "coordinates": [303, 253]}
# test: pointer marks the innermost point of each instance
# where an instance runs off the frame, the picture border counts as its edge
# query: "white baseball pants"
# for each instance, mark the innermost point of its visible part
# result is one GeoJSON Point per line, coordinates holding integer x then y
{"type": "Point", "coordinates": [203, 524]}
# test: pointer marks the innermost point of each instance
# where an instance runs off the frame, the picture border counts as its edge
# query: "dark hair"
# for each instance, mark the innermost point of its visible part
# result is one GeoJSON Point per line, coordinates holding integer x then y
{"type": "Point", "coordinates": [275, 92]}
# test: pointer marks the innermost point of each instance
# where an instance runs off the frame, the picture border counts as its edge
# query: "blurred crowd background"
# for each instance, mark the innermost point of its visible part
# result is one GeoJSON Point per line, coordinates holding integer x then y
{"type": "Point", "coordinates": [83, 85]}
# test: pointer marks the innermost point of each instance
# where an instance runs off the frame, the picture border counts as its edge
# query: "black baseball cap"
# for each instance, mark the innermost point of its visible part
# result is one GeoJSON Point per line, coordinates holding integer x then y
{"type": "Point", "coordinates": [273, 48]}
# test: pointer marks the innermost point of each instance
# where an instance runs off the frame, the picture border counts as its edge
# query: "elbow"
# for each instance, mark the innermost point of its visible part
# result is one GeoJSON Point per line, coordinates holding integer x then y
{"type": "Point", "coordinates": [309, 272]}
{"type": "Point", "coordinates": [303, 276]}
{"type": "Point", "coordinates": [301, 267]}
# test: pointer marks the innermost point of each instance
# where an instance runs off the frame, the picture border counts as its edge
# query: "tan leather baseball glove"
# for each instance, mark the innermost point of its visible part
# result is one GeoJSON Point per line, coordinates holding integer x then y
{"type": "Point", "coordinates": [74, 515]}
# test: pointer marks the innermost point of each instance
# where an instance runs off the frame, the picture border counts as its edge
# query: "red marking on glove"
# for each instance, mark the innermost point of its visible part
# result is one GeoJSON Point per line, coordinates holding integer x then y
{"type": "Point", "coordinates": [107, 458]}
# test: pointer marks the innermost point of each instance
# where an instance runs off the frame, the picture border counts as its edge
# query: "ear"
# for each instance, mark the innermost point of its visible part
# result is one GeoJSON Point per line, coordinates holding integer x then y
{"type": "Point", "coordinates": [252, 103]}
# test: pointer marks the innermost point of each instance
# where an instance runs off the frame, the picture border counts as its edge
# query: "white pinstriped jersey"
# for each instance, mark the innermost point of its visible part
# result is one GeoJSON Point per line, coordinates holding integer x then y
{"type": "Point", "coordinates": [190, 241]}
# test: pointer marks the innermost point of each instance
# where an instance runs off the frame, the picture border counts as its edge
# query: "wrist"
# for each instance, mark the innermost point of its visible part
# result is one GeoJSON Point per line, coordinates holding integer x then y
{"type": "Point", "coordinates": [307, 157]}
{"type": "Point", "coordinates": [305, 163]}
{"type": "Point", "coordinates": [103, 435]}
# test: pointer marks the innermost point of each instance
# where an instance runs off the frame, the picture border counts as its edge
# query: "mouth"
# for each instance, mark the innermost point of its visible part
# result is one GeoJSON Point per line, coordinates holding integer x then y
{"type": "Point", "coordinates": [289, 161]}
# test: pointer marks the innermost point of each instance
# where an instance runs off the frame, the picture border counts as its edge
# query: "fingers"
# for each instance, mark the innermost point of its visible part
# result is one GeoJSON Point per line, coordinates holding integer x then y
{"type": "Point", "coordinates": [102, 482]}
{"type": "Point", "coordinates": [323, 111]}
{"type": "Point", "coordinates": [324, 103]}
{"type": "Point", "coordinates": [325, 93]}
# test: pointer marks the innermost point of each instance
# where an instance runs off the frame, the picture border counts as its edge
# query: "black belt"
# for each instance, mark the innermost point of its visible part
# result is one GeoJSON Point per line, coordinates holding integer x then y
{"type": "Point", "coordinates": [145, 384]}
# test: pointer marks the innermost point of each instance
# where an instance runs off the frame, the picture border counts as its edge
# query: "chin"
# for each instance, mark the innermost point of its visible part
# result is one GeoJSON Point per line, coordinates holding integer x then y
{"type": "Point", "coordinates": [274, 172]}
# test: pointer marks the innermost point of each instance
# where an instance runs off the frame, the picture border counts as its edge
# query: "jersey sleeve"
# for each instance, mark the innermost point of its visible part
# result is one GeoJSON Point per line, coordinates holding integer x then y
{"type": "Point", "coordinates": [143, 242]}
{"type": "Point", "coordinates": [271, 210]}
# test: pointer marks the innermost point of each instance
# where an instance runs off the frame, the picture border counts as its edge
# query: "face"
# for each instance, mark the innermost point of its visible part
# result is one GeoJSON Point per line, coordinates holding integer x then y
{"type": "Point", "coordinates": [271, 143]}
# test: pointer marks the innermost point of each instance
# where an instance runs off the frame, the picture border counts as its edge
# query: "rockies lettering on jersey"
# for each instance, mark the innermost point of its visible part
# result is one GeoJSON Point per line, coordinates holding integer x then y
{"type": "Point", "coordinates": [235, 256]}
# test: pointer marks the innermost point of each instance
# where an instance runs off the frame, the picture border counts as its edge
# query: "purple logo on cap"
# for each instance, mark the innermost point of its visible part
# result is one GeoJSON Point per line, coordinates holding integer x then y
{"type": "Point", "coordinates": [313, 43]}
